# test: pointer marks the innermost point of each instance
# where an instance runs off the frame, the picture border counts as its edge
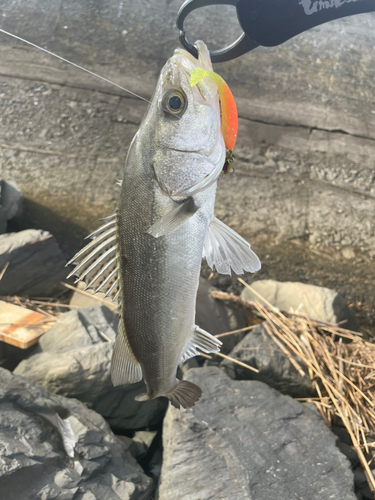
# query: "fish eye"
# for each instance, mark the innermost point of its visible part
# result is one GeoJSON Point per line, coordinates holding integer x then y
{"type": "Point", "coordinates": [174, 103]}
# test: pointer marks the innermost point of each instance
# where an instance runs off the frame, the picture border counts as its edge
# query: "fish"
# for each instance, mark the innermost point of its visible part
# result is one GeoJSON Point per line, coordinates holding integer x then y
{"type": "Point", "coordinates": [147, 254]}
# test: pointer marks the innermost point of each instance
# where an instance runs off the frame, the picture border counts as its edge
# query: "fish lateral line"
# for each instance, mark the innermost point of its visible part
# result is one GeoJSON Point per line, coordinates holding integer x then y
{"type": "Point", "coordinates": [73, 64]}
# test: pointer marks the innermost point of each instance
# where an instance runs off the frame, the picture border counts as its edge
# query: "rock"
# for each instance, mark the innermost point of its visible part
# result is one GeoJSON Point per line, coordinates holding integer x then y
{"type": "Point", "coordinates": [315, 301]}
{"type": "Point", "coordinates": [10, 203]}
{"type": "Point", "coordinates": [52, 447]}
{"type": "Point", "coordinates": [74, 361]}
{"type": "Point", "coordinates": [36, 263]}
{"type": "Point", "coordinates": [348, 253]}
{"type": "Point", "coordinates": [244, 440]}
{"type": "Point", "coordinates": [216, 317]}
{"type": "Point", "coordinates": [122, 412]}
{"type": "Point", "coordinates": [258, 350]}
{"type": "Point", "coordinates": [81, 300]}
{"type": "Point", "coordinates": [141, 443]}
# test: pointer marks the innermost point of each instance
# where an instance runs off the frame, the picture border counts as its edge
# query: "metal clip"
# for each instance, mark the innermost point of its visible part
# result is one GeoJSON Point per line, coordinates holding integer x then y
{"type": "Point", "coordinates": [242, 45]}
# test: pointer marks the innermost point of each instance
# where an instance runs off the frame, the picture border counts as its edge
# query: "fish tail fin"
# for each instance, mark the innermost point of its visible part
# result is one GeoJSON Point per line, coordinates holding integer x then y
{"type": "Point", "coordinates": [184, 394]}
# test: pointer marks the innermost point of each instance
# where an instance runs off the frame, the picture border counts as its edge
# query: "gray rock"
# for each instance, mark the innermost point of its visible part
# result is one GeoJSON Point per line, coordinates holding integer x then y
{"type": "Point", "coordinates": [217, 317]}
{"type": "Point", "coordinates": [315, 301]}
{"type": "Point", "coordinates": [36, 263]}
{"type": "Point", "coordinates": [258, 350]}
{"type": "Point", "coordinates": [10, 203]}
{"type": "Point", "coordinates": [141, 443]}
{"type": "Point", "coordinates": [82, 300]}
{"type": "Point", "coordinates": [52, 448]}
{"type": "Point", "coordinates": [244, 440]}
{"type": "Point", "coordinates": [74, 361]}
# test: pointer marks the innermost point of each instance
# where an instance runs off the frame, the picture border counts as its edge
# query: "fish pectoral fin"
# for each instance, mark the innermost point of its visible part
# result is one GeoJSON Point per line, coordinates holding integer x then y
{"type": "Point", "coordinates": [97, 263]}
{"type": "Point", "coordinates": [184, 394]}
{"type": "Point", "coordinates": [202, 340]}
{"type": "Point", "coordinates": [125, 369]}
{"type": "Point", "coordinates": [174, 219]}
{"type": "Point", "coordinates": [226, 250]}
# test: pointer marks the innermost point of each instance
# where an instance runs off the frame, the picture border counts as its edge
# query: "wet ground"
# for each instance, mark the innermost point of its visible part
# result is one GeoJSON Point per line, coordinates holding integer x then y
{"type": "Point", "coordinates": [345, 270]}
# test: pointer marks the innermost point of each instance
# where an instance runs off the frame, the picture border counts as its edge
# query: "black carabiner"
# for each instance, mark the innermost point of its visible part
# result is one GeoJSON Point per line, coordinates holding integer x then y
{"type": "Point", "coordinates": [242, 45]}
{"type": "Point", "coordinates": [272, 22]}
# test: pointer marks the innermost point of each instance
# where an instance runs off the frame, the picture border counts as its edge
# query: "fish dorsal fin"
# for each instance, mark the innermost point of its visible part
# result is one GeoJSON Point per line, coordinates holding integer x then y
{"type": "Point", "coordinates": [226, 250]}
{"type": "Point", "coordinates": [97, 263]}
{"type": "Point", "coordinates": [125, 369]}
{"type": "Point", "coordinates": [199, 339]}
{"type": "Point", "coordinates": [174, 219]}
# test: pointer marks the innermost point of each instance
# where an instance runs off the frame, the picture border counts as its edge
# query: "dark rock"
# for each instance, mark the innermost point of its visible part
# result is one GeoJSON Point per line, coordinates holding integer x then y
{"type": "Point", "coordinates": [52, 448]}
{"type": "Point", "coordinates": [244, 440]}
{"type": "Point", "coordinates": [258, 350]}
{"type": "Point", "coordinates": [217, 317]}
{"type": "Point", "coordinates": [141, 443]}
{"type": "Point", "coordinates": [349, 452]}
{"type": "Point", "coordinates": [36, 263]}
{"type": "Point", "coordinates": [10, 203]}
{"type": "Point", "coordinates": [315, 301]}
{"type": "Point", "coordinates": [75, 362]}
{"type": "Point", "coordinates": [361, 484]}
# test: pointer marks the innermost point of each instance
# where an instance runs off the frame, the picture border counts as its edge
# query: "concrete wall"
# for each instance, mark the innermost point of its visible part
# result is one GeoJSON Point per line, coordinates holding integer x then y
{"type": "Point", "coordinates": [306, 145]}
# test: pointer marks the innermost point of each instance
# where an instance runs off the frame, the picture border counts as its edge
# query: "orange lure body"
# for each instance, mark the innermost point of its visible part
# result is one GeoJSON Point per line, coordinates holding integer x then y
{"type": "Point", "coordinates": [229, 116]}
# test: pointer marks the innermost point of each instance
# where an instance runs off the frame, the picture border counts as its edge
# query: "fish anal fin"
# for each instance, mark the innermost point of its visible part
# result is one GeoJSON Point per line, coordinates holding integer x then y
{"type": "Point", "coordinates": [184, 394]}
{"type": "Point", "coordinates": [125, 369]}
{"type": "Point", "coordinates": [174, 219]}
{"type": "Point", "coordinates": [224, 249]}
{"type": "Point", "coordinates": [202, 340]}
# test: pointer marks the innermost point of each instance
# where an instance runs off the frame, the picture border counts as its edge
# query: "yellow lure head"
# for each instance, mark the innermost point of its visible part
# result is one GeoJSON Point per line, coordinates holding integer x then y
{"type": "Point", "coordinates": [229, 117]}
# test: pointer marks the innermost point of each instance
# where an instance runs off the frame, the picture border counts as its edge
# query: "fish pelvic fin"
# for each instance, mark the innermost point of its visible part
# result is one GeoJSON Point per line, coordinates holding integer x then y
{"type": "Point", "coordinates": [125, 369]}
{"type": "Point", "coordinates": [97, 263]}
{"type": "Point", "coordinates": [184, 394]}
{"type": "Point", "coordinates": [199, 339]}
{"type": "Point", "coordinates": [226, 250]}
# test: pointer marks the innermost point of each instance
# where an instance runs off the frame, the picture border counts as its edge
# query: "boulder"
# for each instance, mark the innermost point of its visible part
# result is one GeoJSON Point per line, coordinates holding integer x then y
{"type": "Point", "coordinates": [10, 203]}
{"type": "Point", "coordinates": [217, 317]}
{"type": "Point", "coordinates": [54, 448]}
{"type": "Point", "coordinates": [244, 440]}
{"type": "Point", "coordinates": [36, 263]}
{"type": "Point", "coordinates": [82, 300]}
{"type": "Point", "coordinates": [74, 361]}
{"type": "Point", "coordinates": [258, 350]}
{"type": "Point", "coordinates": [315, 301]}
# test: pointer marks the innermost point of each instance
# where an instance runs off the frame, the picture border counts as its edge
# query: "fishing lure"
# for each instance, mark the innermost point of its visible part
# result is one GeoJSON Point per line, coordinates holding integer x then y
{"type": "Point", "coordinates": [229, 116]}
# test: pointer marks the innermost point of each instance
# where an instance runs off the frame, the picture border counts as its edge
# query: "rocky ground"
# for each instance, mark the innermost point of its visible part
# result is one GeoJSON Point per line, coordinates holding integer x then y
{"type": "Point", "coordinates": [66, 433]}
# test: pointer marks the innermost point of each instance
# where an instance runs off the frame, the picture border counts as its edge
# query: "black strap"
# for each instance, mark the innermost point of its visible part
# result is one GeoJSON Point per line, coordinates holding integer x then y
{"type": "Point", "coordinates": [272, 22]}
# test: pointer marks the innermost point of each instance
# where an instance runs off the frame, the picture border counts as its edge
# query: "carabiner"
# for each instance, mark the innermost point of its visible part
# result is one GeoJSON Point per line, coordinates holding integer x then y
{"type": "Point", "coordinates": [242, 45]}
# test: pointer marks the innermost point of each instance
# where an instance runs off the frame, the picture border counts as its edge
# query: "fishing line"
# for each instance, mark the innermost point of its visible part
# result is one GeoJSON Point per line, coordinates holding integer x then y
{"type": "Point", "coordinates": [73, 64]}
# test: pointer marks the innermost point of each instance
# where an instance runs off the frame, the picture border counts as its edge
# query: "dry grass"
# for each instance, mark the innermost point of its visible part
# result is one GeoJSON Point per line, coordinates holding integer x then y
{"type": "Point", "coordinates": [340, 363]}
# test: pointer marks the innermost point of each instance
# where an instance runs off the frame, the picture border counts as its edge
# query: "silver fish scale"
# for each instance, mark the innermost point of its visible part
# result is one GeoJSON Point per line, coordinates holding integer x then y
{"type": "Point", "coordinates": [159, 276]}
